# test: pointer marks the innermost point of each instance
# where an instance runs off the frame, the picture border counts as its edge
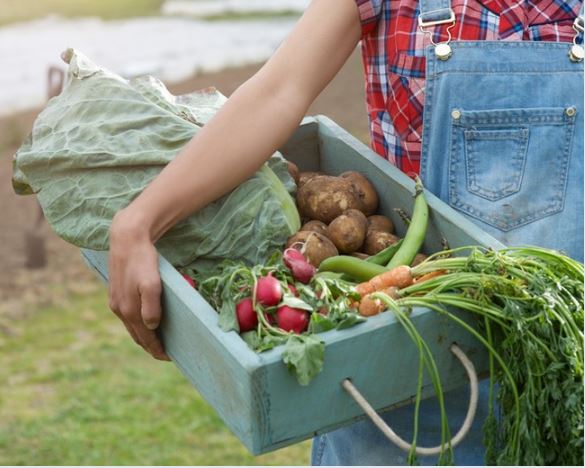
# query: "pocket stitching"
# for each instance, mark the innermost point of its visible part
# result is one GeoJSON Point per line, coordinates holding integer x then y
{"type": "Point", "coordinates": [521, 135]}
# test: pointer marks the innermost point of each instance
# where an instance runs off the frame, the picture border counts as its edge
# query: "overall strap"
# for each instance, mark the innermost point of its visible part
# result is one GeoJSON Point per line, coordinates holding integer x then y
{"type": "Point", "coordinates": [435, 10]}
{"type": "Point", "coordinates": [580, 20]}
{"type": "Point", "coordinates": [577, 52]}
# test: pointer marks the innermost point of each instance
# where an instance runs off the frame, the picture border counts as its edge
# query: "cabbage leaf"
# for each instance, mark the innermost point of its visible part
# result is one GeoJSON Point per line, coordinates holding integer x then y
{"type": "Point", "coordinates": [99, 143]}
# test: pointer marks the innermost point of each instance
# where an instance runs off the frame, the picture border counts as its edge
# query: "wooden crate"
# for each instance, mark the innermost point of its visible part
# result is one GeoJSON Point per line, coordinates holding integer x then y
{"type": "Point", "coordinates": [254, 394]}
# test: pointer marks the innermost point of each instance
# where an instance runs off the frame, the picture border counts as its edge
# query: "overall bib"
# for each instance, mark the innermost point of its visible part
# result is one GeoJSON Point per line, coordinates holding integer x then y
{"type": "Point", "coordinates": [502, 144]}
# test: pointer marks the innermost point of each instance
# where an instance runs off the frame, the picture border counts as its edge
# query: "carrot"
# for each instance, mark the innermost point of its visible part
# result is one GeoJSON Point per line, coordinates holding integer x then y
{"type": "Point", "coordinates": [399, 276]}
{"type": "Point", "coordinates": [431, 275]}
{"type": "Point", "coordinates": [363, 289]}
{"type": "Point", "coordinates": [369, 306]}
{"type": "Point", "coordinates": [392, 291]}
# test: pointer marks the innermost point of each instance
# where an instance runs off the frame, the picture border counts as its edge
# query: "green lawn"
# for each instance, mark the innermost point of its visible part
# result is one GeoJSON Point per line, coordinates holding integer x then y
{"type": "Point", "coordinates": [243, 16]}
{"type": "Point", "coordinates": [12, 11]}
{"type": "Point", "coordinates": [20, 10]}
{"type": "Point", "coordinates": [75, 390]}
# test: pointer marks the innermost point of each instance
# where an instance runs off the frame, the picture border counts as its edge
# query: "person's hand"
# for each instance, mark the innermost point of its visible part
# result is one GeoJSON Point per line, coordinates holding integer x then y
{"type": "Point", "coordinates": [134, 283]}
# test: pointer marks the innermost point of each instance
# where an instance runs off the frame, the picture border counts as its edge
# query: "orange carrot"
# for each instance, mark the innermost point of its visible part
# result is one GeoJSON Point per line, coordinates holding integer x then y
{"type": "Point", "coordinates": [392, 291]}
{"type": "Point", "coordinates": [363, 289]}
{"type": "Point", "coordinates": [428, 276]}
{"type": "Point", "coordinates": [399, 276]}
{"type": "Point", "coordinates": [369, 306]}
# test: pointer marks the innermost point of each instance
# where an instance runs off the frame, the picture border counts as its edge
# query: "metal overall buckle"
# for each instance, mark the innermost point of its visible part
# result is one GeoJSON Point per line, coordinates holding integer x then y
{"type": "Point", "coordinates": [577, 53]}
{"type": "Point", "coordinates": [442, 49]}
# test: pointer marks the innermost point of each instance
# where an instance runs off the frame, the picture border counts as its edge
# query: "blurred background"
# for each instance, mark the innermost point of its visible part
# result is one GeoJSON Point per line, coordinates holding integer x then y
{"type": "Point", "coordinates": [74, 388]}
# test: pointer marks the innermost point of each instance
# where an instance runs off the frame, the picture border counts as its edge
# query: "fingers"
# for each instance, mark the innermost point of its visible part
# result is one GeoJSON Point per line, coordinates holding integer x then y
{"type": "Point", "coordinates": [151, 342]}
{"type": "Point", "coordinates": [150, 293]}
{"type": "Point", "coordinates": [130, 313]}
{"type": "Point", "coordinates": [144, 337]}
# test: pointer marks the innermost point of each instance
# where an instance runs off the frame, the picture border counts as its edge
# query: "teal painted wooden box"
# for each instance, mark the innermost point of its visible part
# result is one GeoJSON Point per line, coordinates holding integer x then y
{"type": "Point", "coordinates": [254, 393]}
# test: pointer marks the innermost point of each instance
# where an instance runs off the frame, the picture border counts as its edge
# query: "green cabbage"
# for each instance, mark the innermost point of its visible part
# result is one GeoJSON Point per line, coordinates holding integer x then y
{"type": "Point", "coordinates": [103, 139]}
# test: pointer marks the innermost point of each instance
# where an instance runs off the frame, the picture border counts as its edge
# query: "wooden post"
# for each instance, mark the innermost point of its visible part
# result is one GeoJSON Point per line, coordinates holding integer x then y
{"type": "Point", "coordinates": [35, 242]}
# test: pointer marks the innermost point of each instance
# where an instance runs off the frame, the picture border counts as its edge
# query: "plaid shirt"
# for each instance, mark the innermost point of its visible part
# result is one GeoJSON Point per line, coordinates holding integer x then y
{"type": "Point", "coordinates": [394, 62]}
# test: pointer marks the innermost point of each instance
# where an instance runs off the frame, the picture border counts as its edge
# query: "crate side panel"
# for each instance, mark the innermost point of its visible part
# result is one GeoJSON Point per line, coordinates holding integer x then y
{"type": "Point", "coordinates": [383, 364]}
{"type": "Point", "coordinates": [204, 353]}
{"type": "Point", "coordinates": [303, 147]}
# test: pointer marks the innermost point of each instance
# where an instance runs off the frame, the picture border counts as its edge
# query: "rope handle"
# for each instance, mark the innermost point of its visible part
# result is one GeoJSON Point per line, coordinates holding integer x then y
{"type": "Point", "coordinates": [395, 438]}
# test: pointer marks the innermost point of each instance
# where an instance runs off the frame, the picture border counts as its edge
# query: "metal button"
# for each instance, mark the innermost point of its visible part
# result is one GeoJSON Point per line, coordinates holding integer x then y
{"type": "Point", "coordinates": [577, 53]}
{"type": "Point", "coordinates": [570, 111]}
{"type": "Point", "coordinates": [456, 114]}
{"type": "Point", "coordinates": [443, 51]}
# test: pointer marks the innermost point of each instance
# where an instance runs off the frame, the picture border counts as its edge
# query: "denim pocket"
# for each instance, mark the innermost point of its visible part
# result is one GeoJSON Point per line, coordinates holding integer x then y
{"type": "Point", "coordinates": [495, 161]}
{"type": "Point", "coordinates": [508, 167]}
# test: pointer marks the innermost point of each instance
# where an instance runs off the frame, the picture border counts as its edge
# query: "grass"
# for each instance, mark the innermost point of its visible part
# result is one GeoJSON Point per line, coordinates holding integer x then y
{"type": "Point", "coordinates": [254, 15]}
{"type": "Point", "coordinates": [12, 11]}
{"type": "Point", "coordinates": [75, 390]}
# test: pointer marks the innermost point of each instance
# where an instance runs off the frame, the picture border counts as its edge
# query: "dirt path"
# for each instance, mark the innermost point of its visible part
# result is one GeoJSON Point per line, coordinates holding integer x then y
{"type": "Point", "coordinates": [21, 290]}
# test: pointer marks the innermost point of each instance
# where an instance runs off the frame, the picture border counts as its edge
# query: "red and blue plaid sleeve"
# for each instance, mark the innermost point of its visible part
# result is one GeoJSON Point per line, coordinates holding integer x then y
{"type": "Point", "coordinates": [370, 11]}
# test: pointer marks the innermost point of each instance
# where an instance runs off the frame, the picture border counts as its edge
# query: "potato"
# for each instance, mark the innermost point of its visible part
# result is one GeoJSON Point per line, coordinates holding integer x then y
{"type": "Point", "coordinates": [377, 241]}
{"type": "Point", "coordinates": [348, 231]}
{"type": "Point", "coordinates": [380, 223]}
{"type": "Point", "coordinates": [418, 258]}
{"type": "Point", "coordinates": [315, 226]}
{"type": "Point", "coordinates": [366, 190]}
{"type": "Point", "coordinates": [360, 216]}
{"type": "Point", "coordinates": [304, 177]}
{"type": "Point", "coordinates": [314, 246]}
{"type": "Point", "coordinates": [293, 170]}
{"type": "Point", "coordinates": [324, 198]}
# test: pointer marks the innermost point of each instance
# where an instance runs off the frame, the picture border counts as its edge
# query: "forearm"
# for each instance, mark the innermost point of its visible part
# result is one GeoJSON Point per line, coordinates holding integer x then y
{"type": "Point", "coordinates": [228, 150]}
{"type": "Point", "coordinates": [256, 121]}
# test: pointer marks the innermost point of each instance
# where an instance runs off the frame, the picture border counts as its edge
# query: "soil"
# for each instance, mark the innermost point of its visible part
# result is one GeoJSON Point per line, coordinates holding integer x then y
{"type": "Point", "coordinates": [23, 289]}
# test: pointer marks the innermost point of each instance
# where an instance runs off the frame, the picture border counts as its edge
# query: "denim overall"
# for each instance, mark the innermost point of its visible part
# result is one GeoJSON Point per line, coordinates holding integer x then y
{"type": "Point", "coordinates": [502, 144]}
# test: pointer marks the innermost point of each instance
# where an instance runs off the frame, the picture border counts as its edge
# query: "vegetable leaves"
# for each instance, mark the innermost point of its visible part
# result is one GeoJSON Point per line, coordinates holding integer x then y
{"type": "Point", "coordinates": [304, 355]}
{"type": "Point", "coordinates": [104, 139]}
{"type": "Point", "coordinates": [327, 299]}
{"type": "Point", "coordinates": [531, 304]}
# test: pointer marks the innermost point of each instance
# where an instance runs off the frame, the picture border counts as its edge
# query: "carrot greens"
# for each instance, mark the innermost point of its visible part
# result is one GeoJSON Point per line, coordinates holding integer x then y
{"type": "Point", "coordinates": [530, 302]}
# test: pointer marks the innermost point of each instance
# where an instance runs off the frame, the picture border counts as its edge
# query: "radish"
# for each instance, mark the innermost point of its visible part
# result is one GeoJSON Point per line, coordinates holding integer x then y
{"type": "Point", "coordinates": [268, 291]}
{"type": "Point", "coordinates": [189, 280]}
{"type": "Point", "coordinates": [270, 318]}
{"type": "Point", "coordinates": [293, 290]}
{"type": "Point", "coordinates": [301, 269]}
{"type": "Point", "coordinates": [246, 315]}
{"type": "Point", "coordinates": [289, 319]}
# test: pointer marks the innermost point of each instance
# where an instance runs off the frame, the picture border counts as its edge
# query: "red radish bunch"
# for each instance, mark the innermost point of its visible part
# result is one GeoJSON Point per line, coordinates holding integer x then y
{"type": "Point", "coordinates": [290, 319]}
{"type": "Point", "coordinates": [246, 315]}
{"type": "Point", "coordinates": [301, 269]}
{"type": "Point", "coordinates": [268, 291]}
